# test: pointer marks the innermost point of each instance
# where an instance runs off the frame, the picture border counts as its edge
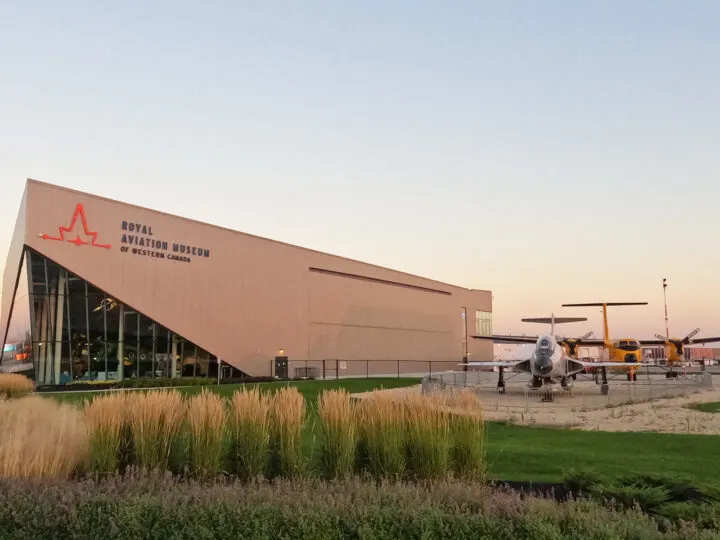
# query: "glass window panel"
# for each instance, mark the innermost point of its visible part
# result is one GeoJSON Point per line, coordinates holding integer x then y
{"type": "Point", "coordinates": [147, 347]}
{"type": "Point", "coordinates": [483, 323]}
{"type": "Point", "coordinates": [162, 351]}
{"type": "Point", "coordinates": [88, 321]}
{"type": "Point", "coordinates": [130, 342]}
{"type": "Point", "coordinates": [17, 354]}
{"type": "Point", "coordinates": [112, 334]}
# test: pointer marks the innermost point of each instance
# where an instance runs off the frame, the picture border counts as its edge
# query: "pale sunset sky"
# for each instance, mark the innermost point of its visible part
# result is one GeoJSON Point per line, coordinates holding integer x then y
{"type": "Point", "coordinates": [551, 151]}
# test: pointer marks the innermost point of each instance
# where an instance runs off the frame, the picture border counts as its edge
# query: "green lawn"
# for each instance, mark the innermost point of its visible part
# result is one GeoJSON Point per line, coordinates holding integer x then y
{"type": "Point", "coordinates": [537, 454]}
{"type": "Point", "coordinates": [309, 389]}
{"type": "Point", "coordinates": [546, 455]}
{"type": "Point", "coordinates": [713, 407]}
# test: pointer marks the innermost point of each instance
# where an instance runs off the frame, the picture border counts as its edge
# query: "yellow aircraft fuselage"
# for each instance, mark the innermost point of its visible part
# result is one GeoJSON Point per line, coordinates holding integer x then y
{"type": "Point", "coordinates": [624, 350]}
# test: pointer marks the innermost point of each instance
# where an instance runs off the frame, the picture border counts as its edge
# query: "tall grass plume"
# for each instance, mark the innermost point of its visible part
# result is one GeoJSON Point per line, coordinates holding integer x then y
{"type": "Point", "coordinates": [14, 385]}
{"type": "Point", "coordinates": [41, 438]}
{"type": "Point", "coordinates": [206, 420]}
{"type": "Point", "coordinates": [381, 448]}
{"type": "Point", "coordinates": [106, 418]}
{"type": "Point", "coordinates": [287, 420]}
{"type": "Point", "coordinates": [468, 457]}
{"type": "Point", "coordinates": [339, 433]}
{"type": "Point", "coordinates": [155, 422]}
{"type": "Point", "coordinates": [249, 433]}
{"type": "Point", "coordinates": [428, 436]}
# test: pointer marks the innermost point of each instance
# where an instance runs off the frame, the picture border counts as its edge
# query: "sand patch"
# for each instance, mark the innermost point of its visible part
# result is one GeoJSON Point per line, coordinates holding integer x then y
{"type": "Point", "coordinates": [663, 415]}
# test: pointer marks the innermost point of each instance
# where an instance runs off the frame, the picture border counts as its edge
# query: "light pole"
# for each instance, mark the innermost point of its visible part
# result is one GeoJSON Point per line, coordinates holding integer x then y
{"type": "Point", "coordinates": [465, 358]}
{"type": "Point", "coordinates": [664, 284]}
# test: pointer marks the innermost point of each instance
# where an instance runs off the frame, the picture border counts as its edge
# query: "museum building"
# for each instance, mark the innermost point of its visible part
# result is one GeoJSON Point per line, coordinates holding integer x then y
{"type": "Point", "coordinates": [96, 289]}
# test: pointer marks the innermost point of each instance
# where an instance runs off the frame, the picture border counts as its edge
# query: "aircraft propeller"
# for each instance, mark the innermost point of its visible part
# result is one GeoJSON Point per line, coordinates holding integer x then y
{"type": "Point", "coordinates": [573, 343]}
{"type": "Point", "coordinates": [679, 342]}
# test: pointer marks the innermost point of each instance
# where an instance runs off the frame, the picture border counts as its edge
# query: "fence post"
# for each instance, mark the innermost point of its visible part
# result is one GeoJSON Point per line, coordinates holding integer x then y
{"type": "Point", "coordinates": [323, 369]}
{"type": "Point", "coordinates": [337, 369]}
{"type": "Point", "coordinates": [430, 367]}
{"type": "Point", "coordinates": [398, 369]}
{"type": "Point", "coordinates": [367, 369]}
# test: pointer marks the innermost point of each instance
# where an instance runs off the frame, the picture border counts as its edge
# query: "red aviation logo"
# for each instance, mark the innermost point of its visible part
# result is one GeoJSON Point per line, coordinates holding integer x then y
{"type": "Point", "coordinates": [67, 233]}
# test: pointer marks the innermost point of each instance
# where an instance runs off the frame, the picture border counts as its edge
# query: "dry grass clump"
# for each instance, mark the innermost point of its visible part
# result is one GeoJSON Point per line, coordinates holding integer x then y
{"type": "Point", "coordinates": [106, 418]}
{"type": "Point", "coordinates": [13, 385]}
{"type": "Point", "coordinates": [339, 433]}
{"type": "Point", "coordinates": [40, 438]}
{"type": "Point", "coordinates": [249, 433]}
{"type": "Point", "coordinates": [381, 448]}
{"type": "Point", "coordinates": [428, 436]}
{"type": "Point", "coordinates": [287, 419]}
{"type": "Point", "coordinates": [155, 421]}
{"type": "Point", "coordinates": [206, 420]}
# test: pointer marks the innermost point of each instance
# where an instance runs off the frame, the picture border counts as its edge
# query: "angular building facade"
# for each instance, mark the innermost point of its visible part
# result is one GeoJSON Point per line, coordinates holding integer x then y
{"type": "Point", "coordinates": [96, 289]}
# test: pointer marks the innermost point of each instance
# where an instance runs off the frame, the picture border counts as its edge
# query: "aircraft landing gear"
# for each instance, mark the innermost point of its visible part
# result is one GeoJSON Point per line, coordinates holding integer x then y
{"type": "Point", "coordinates": [672, 374]}
{"type": "Point", "coordinates": [501, 381]}
{"type": "Point", "coordinates": [536, 382]}
{"type": "Point", "coordinates": [565, 384]}
{"type": "Point", "coordinates": [604, 387]}
{"type": "Point", "coordinates": [632, 376]}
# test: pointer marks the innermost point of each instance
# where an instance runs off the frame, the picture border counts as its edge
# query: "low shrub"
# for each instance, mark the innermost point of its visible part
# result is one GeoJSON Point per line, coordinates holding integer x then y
{"type": "Point", "coordinates": [338, 425]}
{"type": "Point", "coordinates": [13, 385]}
{"type": "Point", "coordinates": [249, 433]}
{"type": "Point", "coordinates": [158, 507]}
{"type": "Point", "coordinates": [206, 418]}
{"type": "Point", "coordinates": [40, 438]}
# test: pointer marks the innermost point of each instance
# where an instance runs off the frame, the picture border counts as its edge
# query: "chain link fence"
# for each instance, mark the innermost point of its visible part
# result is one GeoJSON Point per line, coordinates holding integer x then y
{"type": "Point", "coordinates": [585, 393]}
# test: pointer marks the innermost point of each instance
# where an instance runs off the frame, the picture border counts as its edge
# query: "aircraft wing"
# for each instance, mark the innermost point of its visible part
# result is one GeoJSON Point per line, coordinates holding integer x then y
{"type": "Point", "coordinates": [505, 363]}
{"type": "Point", "coordinates": [509, 339]}
{"type": "Point", "coordinates": [614, 364]}
{"type": "Point", "coordinates": [705, 340]}
{"type": "Point", "coordinates": [533, 340]}
{"type": "Point", "coordinates": [652, 342]}
{"type": "Point", "coordinates": [590, 342]}
{"type": "Point", "coordinates": [520, 366]}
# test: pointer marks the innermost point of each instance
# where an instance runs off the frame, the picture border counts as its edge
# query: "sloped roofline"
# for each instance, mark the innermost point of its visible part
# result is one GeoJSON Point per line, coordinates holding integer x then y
{"type": "Point", "coordinates": [248, 235]}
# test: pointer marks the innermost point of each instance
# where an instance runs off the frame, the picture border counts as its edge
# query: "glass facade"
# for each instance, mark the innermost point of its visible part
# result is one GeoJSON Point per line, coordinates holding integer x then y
{"type": "Point", "coordinates": [63, 329]}
{"type": "Point", "coordinates": [483, 323]}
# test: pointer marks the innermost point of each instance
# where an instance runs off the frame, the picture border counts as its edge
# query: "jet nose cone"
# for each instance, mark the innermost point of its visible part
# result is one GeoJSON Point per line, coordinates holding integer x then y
{"type": "Point", "coordinates": [544, 369]}
{"type": "Point", "coordinates": [543, 366]}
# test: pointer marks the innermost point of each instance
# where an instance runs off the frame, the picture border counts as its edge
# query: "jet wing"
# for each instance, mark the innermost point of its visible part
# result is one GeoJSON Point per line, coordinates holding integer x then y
{"type": "Point", "coordinates": [509, 339]}
{"type": "Point", "coordinates": [533, 340]}
{"type": "Point", "coordinates": [506, 363]}
{"type": "Point", "coordinates": [521, 366]}
{"type": "Point", "coordinates": [614, 364]}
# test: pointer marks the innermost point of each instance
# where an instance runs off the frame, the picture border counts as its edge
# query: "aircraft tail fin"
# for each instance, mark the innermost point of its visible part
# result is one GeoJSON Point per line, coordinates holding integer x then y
{"type": "Point", "coordinates": [553, 320]}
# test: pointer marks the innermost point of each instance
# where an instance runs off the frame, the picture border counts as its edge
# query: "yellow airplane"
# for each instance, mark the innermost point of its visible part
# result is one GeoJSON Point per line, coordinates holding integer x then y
{"type": "Point", "coordinates": [630, 349]}
{"type": "Point", "coordinates": [675, 348]}
{"type": "Point", "coordinates": [623, 350]}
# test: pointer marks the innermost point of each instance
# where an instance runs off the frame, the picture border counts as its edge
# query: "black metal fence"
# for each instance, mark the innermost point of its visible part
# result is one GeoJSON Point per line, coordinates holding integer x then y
{"type": "Point", "coordinates": [339, 368]}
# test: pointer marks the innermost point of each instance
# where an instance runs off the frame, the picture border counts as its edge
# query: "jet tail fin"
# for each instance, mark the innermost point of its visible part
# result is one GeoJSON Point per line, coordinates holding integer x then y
{"type": "Point", "coordinates": [553, 320]}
